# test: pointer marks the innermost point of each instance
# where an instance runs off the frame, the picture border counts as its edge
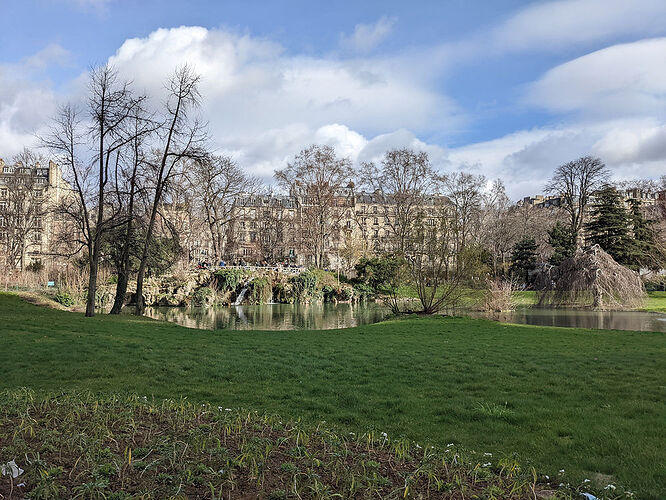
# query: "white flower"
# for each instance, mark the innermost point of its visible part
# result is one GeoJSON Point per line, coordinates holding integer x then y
{"type": "Point", "coordinates": [561, 471]}
{"type": "Point", "coordinates": [227, 409]}
{"type": "Point", "coordinates": [547, 477]}
{"type": "Point", "coordinates": [586, 480]}
{"type": "Point", "coordinates": [384, 434]}
{"type": "Point", "coordinates": [449, 445]}
{"type": "Point", "coordinates": [487, 464]}
{"type": "Point", "coordinates": [487, 454]}
{"type": "Point", "coordinates": [610, 487]}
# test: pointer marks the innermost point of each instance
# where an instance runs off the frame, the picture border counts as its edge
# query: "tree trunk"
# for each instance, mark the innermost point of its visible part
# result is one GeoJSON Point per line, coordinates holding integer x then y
{"type": "Point", "coordinates": [123, 272]}
{"type": "Point", "coordinates": [92, 282]}
{"type": "Point", "coordinates": [140, 302]}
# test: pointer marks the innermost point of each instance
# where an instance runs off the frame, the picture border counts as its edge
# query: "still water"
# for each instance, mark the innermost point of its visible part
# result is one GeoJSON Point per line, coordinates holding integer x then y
{"type": "Point", "coordinates": [273, 316]}
{"type": "Point", "coordinates": [331, 316]}
{"type": "Point", "coordinates": [577, 318]}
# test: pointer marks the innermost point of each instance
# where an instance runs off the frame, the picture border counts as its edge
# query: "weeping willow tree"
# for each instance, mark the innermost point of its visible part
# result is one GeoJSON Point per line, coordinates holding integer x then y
{"type": "Point", "coordinates": [592, 279]}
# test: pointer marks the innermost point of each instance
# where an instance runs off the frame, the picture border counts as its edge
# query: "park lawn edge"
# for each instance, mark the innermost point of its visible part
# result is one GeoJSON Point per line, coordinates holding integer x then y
{"type": "Point", "coordinates": [122, 446]}
{"type": "Point", "coordinates": [45, 395]}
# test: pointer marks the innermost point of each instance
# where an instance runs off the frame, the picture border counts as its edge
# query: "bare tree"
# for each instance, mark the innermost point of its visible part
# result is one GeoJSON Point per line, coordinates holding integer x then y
{"type": "Point", "coordinates": [22, 208]}
{"type": "Point", "coordinates": [429, 251]}
{"type": "Point", "coordinates": [128, 188]}
{"type": "Point", "coordinates": [318, 178]}
{"type": "Point", "coordinates": [402, 180]}
{"type": "Point", "coordinates": [465, 193]}
{"type": "Point", "coordinates": [216, 182]}
{"type": "Point", "coordinates": [110, 105]}
{"type": "Point", "coordinates": [575, 182]}
{"type": "Point", "coordinates": [498, 233]}
{"type": "Point", "coordinates": [183, 139]}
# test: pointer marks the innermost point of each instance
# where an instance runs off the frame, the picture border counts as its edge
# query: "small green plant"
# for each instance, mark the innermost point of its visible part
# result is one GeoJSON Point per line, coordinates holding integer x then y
{"type": "Point", "coordinates": [230, 279]}
{"type": "Point", "coordinates": [202, 296]}
{"type": "Point", "coordinates": [261, 291]}
{"type": "Point", "coordinates": [64, 297]}
{"type": "Point", "coordinates": [494, 410]}
{"type": "Point", "coordinates": [305, 285]}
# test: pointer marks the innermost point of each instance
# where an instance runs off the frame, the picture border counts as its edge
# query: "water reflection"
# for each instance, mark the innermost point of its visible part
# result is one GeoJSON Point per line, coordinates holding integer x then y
{"type": "Point", "coordinates": [607, 320]}
{"type": "Point", "coordinates": [331, 316]}
{"type": "Point", "coordinates": [272, 316]}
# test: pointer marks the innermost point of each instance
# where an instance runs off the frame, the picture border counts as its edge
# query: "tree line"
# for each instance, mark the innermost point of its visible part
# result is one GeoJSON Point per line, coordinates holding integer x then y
{"type": "Point", "coordinates": [129, 159]}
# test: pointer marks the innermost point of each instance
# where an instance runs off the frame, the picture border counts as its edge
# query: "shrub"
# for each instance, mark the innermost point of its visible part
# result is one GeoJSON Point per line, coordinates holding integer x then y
{"type": "Point", "coordinates": [201, 296]}
{"type": "Point", "coordinates": [34, 267]}
{"type": "Point", "coordinates": [498, 296]}
{"type": "Point", "coordinates": [261, 291]}
{"type": "Point", "coordinates": [64, 298]}
{"type": "Point", "coordinates": [363, 291]}
{"type": "Point", "coordinates": [230, 279]}
{"type": "Point", "coordinates": [304, 285]}
{"type": "Point", "coordinates": [656, 285]}
{"type": "Point", "coordinates": [345, 292]}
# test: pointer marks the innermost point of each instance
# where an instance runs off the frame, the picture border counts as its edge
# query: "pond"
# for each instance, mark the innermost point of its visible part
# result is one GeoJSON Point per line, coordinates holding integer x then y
{"type": "Point", "coordinates": [577, 318]}
{"type": "Point", "coordinates": [331, 316]}
{"type": "Point", "coordinates": [273, 316]}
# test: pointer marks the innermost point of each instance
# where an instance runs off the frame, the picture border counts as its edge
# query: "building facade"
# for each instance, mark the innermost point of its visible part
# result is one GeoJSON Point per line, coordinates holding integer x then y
{"type": "Point", "coordinates": [28, 226]}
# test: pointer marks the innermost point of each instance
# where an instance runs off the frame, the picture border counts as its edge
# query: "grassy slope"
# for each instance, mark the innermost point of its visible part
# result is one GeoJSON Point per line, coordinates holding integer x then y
{"type": "Point", "coordinates": [583, 400]}
{"type": "Point", "coordinates": [656, 301]}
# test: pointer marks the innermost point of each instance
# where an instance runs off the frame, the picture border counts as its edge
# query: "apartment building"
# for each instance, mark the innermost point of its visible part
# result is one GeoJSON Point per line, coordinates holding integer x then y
{"type": "Point", "coordinates": [272, 228]}
{"type": "Point", "coordinates": [27, 225]}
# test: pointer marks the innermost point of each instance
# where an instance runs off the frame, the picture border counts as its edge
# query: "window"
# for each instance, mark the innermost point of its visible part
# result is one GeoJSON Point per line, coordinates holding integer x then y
{"type": "Point", "coordinates": [38, 222]}
{"type": "Point", "coordinates": [4, 192]}
{"type": "Point", "coordinates": [348, 224]}
{"type": "Point", "coordinates": [6, 170]}
{"type": "Point", "coordinates": [376, 221]}
{"type": "Point", "coordinates": [376, 233]}
{"type": "Point", "coordinates": [374, 209]}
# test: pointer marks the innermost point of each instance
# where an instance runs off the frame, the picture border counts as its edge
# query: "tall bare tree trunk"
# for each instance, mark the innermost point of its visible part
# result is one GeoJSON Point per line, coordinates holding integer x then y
{"type": "Point", "coordinates": [124, 271]}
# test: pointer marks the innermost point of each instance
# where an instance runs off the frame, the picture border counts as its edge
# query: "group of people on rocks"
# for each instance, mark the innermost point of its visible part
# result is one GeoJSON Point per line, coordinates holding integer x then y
{"type": "Point", "coordinates": [242, 263]}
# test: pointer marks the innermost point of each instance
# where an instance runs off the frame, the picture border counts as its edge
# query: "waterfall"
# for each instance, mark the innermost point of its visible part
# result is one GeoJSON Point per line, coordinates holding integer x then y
{"type": "Point", "coordinates": [242, 293]}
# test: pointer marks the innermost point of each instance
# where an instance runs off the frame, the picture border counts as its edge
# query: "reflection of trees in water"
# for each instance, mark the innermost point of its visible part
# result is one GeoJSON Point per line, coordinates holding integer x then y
{"type": "Point", "coordinates": [272, 316]}
{"type": "Point", "coordinates": [605, 320]}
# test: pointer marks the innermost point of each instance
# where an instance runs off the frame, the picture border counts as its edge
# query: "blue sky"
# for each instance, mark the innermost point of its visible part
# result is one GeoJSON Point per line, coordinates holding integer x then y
{"type": "Point", "coordinates": [505, 88]}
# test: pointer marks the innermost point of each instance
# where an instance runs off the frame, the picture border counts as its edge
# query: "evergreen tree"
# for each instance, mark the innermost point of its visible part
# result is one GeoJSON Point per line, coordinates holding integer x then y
{"type": "Point", "coordinates": [609, 226]}
{"type": "Point", "coordinates": [645, 250]}
{"type": "Point", "coordinates": [563, 241]}
{"type": "Point", "coordinates": [524, 259]}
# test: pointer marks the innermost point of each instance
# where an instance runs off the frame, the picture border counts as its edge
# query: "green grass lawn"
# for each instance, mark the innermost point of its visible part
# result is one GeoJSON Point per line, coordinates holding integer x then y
{"type": "Point", "coordinates": [588, 401]}
{"type": "Point", "coordinates": [656, 301]}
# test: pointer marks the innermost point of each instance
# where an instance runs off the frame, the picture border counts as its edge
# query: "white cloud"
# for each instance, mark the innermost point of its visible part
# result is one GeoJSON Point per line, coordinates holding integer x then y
{"type": "Point", "coordinates": [621, 80]}
{"type": "Point", "coordinates": [27, 101]}
{"type": "Point", "coordinates": [525, 160]}
{"type": "Point", "coordinates": [264, 105]}
{"type": "Point", "coordinates": [366, 37]}
{"type": "Point", "coordinates": [558, 24]}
